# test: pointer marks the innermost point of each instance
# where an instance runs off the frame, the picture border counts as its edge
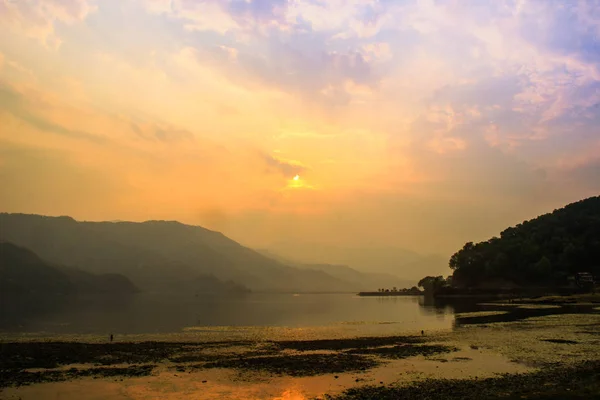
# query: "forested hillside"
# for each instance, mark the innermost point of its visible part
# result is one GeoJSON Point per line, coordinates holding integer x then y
{"type": "Point", "coordinates": [543, 251]}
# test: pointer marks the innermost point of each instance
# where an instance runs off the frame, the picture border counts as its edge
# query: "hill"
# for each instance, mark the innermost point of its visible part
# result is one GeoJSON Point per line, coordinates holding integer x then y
{"type": "Point", "coordinates": [30, 285]}
{"type": "Point", "coordinates": [22, 272]}
{"type": "Point", "coordinates": [159, 255]}
{"type": "Point", "coordinates": [543, 251]}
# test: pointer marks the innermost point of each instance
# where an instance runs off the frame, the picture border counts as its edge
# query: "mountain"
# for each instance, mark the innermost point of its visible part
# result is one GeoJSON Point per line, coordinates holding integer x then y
{"type": "Point", "coordinates": [362, 281]}
{"type": "Point", "coordinates": [159, 255]}
{"type": "Point", "coordinates": [543, 251]}
{"type": "Point", "coordinates": [30, 285]}
{"type": "Point", "coordinates": [23, 272]}
{"type": "Point", "coordinates": [402, 263]}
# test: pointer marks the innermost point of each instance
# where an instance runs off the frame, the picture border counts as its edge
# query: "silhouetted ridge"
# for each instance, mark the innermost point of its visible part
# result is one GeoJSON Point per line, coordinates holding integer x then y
{"type": "Point", "coordinates": [545, 250]}
{"type": "Point", "coordinates": [163, 256]}
{"type": "Point", "coordinates": [23, 273]}
{"type": "Point", "coordinates": [30, 285]}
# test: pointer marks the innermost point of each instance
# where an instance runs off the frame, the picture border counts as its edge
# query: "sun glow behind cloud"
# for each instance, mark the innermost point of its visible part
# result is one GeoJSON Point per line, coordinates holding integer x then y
{"type": "Point", "coordinates": [405, 122]}
{"type": "Point", "coordinates": [298, 183]}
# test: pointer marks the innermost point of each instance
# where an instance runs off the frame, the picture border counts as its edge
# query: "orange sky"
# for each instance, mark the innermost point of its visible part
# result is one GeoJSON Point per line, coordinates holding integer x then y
{"type": "Point", "coordinates": [411, 124]}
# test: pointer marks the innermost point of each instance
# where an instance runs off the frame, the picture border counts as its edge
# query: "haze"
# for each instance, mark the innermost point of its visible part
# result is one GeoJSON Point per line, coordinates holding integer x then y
{"type": "Point", "coordinates": [409, 124]}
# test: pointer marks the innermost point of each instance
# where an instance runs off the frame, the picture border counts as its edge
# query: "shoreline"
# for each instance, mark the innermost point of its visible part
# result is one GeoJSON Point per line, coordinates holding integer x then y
{"type": "Point", "coordinates": [486, 357]}
{"type": "Point", "coordinates": [578, 298]}
{"type": "Point", "coordinates": [388, 294]}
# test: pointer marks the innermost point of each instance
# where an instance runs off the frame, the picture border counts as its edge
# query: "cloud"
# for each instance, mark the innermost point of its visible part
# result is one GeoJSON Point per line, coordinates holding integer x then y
{"type": "Point", "coordinates": [234, 16]}
{"type": "Point", "coordinates": [161, 132]}
{"type": "Point", "coordinates": [20, 107]}
{"type": "Point", "coordinates": [344, 19]}
{"type": "Point", "coordinates": [289, 56]}
{"type": "Point", "coordinates": [37, 18]}
{"type": "Point", "coordinates": [286, 168]}
{"type": "Point", "coordinates": [377, 51]}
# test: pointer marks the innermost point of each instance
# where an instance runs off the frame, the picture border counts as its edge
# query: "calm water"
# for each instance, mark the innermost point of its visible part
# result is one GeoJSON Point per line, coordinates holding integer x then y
{"type": "Point", "coordinates": [152, 314]}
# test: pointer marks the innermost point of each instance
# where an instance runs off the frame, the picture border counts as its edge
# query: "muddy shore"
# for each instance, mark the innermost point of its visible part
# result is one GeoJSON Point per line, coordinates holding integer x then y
{"type": "Point", "coordinates": [541, 352]}
{"type": "Point", "coordinates": [24, 363]}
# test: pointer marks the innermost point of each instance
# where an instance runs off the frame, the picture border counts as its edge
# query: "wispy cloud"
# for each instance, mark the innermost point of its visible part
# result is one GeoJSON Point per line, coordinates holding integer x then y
{"type": "Point", "coordinates": [37, 18]}
{"type": "Point", "coordinates": [16, 104]}
{"type": "Point", "coordinates": [287, 168]}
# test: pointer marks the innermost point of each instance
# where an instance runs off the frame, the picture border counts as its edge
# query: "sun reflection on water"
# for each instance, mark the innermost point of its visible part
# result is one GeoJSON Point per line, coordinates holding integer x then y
{"type": "Point", "coordinates": [291, 394]}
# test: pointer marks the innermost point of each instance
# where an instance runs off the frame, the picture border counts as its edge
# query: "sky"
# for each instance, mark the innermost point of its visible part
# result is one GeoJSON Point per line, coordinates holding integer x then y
{"type": "Point", "coordinates": [411, 124]}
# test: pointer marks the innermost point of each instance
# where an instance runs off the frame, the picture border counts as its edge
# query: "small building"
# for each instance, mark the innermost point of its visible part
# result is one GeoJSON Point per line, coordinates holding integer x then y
{"type": "Point", "coordinates": [584, 280]}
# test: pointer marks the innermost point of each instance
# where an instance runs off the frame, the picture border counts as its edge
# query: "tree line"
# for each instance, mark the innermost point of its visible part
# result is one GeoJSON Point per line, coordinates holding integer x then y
{"type": "Point", "coordinates": [412, 290]}
{"type": "Point", "coordinates": [546, 250]}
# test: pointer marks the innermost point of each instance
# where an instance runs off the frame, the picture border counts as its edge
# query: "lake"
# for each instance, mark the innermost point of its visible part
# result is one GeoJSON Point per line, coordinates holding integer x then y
{"type": "Point", "coordinates": [253, 314]}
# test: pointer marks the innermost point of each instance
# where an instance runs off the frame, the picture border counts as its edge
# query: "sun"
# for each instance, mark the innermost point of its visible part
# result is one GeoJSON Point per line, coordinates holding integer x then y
{"type": "Point", "coordinates": [298, 183]}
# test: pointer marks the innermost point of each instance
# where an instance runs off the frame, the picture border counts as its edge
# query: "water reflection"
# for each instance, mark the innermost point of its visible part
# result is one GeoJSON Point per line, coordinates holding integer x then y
{"type": "Point", "coordinates": [147, 313]}
{"type": "Point", "coordinates": [483, 311]}
{"type": "Point", "coordinates": [156, 314]}
{"type": "Point", "coordinates": [432, 306]}
{"type": "Point", "coordinates": [291, 394]}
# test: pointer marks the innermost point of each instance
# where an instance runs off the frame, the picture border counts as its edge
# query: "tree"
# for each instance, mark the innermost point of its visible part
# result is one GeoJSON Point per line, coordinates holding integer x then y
{"type": "Point", "coordinates": [431, 283]}
{"type": "Point", "coordinates": [542, 269]}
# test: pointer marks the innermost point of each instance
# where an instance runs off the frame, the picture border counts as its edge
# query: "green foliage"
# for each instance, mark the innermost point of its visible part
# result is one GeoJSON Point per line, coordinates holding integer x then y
{"type": "Point", "coordinates": [545, 250]}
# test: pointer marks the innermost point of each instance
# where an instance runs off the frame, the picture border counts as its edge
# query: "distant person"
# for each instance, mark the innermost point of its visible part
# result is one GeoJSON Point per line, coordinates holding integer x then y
{"type": "Point", "coordinates": [111, 337]}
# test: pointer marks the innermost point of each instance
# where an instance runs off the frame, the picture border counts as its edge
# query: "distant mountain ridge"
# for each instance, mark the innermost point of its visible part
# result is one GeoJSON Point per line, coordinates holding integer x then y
{"type": "Point", "coordinates": [407, 265]}
{"type": "Point", "coordinates": [369, 281]}
{"type": "Point", "coordinates": [160, 255]}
